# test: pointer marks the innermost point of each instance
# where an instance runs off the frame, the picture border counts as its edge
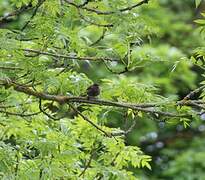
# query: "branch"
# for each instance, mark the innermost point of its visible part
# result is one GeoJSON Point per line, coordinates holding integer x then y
{"type": "Point", "coordinates": [116, 72]}
{"type": "Point", "coordinates": [192, 93]}
{"type": "Point", "coordinates": [10, 68]}
{"type": "Point", "coordinates": [10, 106]}
{"type": "Point", "coordinates": [40, 2]}
{"type": "Point", "coordinates": [15, 13]}
{"type": "Point", "coordinates": [44, 112]}
{"type": "Point", "coordinates": [20, 114]}
{"type": "Point", "coordinates": [87, 165]}
{"type": "Point", "coordinates": [194, 103]}
{"type": "Point", "coordinates": [85, 3]}
{"type": "Point", "coordinates": [89, 121]}
{"type": "Point", "coordinates": [107, 12]}
{"type": "Point", "coordinates": [100, 38]}
{"type": "Point", "coordinates": [120, 133]}
{"type": "Point", "coordinates": [70, 57]}
{"type": "Point", "coordinates": [92, 22]}
{"type": "Point", "coordinates": [92, 153]}
{"type": "Point", "coordinates": [146, 107]}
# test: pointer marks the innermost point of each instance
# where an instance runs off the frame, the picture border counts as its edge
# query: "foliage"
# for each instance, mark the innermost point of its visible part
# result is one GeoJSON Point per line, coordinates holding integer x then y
{"type": "Point", "coordinates": [147, 67]}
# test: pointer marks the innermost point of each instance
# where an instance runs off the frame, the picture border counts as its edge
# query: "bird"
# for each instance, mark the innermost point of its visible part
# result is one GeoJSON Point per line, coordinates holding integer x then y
{"type": "Point", "coordinates": [93, 90]}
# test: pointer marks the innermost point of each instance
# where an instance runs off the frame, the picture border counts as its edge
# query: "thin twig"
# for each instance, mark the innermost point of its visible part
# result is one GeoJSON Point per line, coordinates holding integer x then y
{"type": "Point", "coordinates": [83, 4]}
{"type": "Point", "coordinates": [69, 56]}
{"type": "Point", "coordinates": [93, 151]}
{"type": "Point", "coordinates": [89, 121]}
{"type": "Point", "coordinates": [19, 114]}
{"type": "Point", "coordinates": [115, 72]}
{"type": "Point", "coordinates": [192, 93]}
{"type": "Point", "coordinates": [15, 13]}
{"type": "Point", "coordinates": [112, 162]}
{"type": "Point", "coordinates": [88, 164]}
{"type": "Point", "coordinates": [107, 12]}
{"type": "Point", "coordinates": [47, 114]}
{"type": "Point", "coordinates": [10, 68]}
{"type": "Point", "coordinates": [92, 22]}
{"type": "Point", "coordinates": [40, 2]}
{"type": "Point", "coordinates": [100, 38]}
{"type": "Point", "coordinates": [193, 103]}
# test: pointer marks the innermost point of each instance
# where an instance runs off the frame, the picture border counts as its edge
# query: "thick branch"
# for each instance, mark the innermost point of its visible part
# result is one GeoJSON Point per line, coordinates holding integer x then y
{"type": "Point", "coordinates": [67, 99]}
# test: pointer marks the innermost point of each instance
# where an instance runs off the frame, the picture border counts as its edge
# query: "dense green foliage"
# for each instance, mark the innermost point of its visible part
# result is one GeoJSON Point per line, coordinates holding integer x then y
{"type": "Point", "coordinates": [147, 56]}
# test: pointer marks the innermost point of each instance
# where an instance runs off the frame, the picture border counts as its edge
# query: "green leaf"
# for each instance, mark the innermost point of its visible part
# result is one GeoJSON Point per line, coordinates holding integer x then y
{"type": "Point", "coordinates": [200, 21]}
{"type": "Point", "coordinates": [197, 3]}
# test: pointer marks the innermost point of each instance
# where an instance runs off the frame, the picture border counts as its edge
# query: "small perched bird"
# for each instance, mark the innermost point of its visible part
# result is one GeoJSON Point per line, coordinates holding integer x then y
{"type": "Point", "coordinates": [93, 90]}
